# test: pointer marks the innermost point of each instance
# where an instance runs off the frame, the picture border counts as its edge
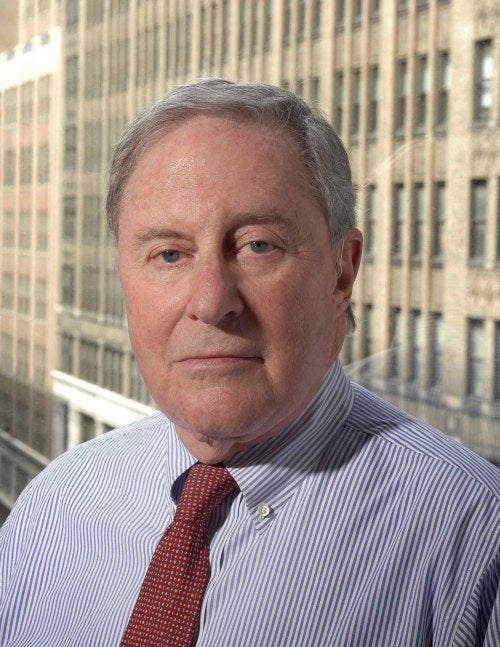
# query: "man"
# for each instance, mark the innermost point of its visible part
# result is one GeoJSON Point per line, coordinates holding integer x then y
{"type": "Point", "coordinates": [352, 523]}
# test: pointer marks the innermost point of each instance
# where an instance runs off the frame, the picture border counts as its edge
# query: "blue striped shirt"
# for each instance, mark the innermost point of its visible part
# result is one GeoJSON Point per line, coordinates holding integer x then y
{"type": "Point", "coordinates": [357, 525]}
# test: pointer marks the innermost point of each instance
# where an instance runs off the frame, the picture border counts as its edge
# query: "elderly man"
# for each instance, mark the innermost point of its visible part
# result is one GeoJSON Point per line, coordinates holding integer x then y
{"type": "Point", "coordinates": [327, 516]}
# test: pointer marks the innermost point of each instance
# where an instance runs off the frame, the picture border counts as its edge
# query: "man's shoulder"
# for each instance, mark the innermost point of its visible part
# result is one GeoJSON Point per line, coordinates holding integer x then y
{"type": "Point", "coordinates": [424, 446]}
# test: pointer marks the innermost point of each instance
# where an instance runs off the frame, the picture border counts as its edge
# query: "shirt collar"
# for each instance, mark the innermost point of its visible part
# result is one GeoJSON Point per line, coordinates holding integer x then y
{"type": "Point", "coordinates": [268, 473]}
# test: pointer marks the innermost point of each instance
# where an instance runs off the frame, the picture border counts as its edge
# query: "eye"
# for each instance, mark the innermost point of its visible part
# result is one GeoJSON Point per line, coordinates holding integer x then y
{"type": "Point", "coordinates": [170, 255]}
{"type": "Point", "coordinates": [261, 246]}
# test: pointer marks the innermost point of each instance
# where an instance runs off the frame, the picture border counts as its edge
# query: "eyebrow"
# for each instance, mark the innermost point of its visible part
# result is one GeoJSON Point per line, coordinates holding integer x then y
{"type": "Point", "coordinates": [239, 220]}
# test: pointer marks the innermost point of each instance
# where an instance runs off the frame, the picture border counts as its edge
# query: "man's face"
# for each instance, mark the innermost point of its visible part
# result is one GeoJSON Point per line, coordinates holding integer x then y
{"type": "Point", "coordinates": [234, 308]}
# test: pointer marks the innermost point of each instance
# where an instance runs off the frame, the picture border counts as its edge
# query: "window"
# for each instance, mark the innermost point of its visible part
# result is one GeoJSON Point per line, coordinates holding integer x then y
{"type": "Point", "coordinates": [27, 91]}
{"type": "Point", "coordinates": [66, 353]}
{"type": "Point", "coordinates": [71, 82]}
{"type": "Point", "coordinates": [370, 220]}
{"type": "Point", "coordinates": [9, 170]}
{"type": "Point", "coordinates": [188, 26]}
{"type": "Point", "coordinates": [87, 428]}
{"type": "Point", "coordinates": [241, 28]}
{"type": "Point", "coordinates": [213, 31]}
{"type": "Point", "coordinates": [113, 369]}
{"type": "Point", "coordinates": [92, 147]}
{"type": "Point", "coordinates": [338, 99]}
{"type": "Point", "coordinates": [301, 20]}
{"type": "Point", "coordinates": [367, 330]}
{"type": "Point", "coordinates": [287, 22]}
{"type": "Point", "coordinates": [44, 85]}
{"type": "Point", "coordinates": [417, 220]}
{"type": "Point", "coordinates": [201, 60]}
{"type": "Point", "coordinates": [436, 349]}
{"type": "Point", "coordinates": [339, 13]}
{"type": "Point", "coordinates": [88, 361]}
{"type": "Point", "coordinates": [268, 23]}
{"type": "Point", "coordinates": [398, 215]}
{"type": "Point", "coordinates": [26, 161]}
{"type": "Point", "coordinates": [113, 304]}
{"type": "Point", "coordinates": [357, 9]}
{"type": "Point", "coordinates": [91, 223]}
{"type": "Point", "coordinates": [70, 148]}
{"type": "Point", "coordinates": [225, 31]}
{"type": "Point", "coordinates": [315, 90]}
{"type": "Point", "coordinates": [42, 231]}
{"type": "Point", "coordinates": [374, 8]}
{"type": "Point", "coordinates": [401, 93]}
{"type": "Point", "coordinates": [7, 291]}
{"type": "Point", "coordinates": [373, 96]}
{"type": "Point", "coordinates": [477, 234]}
{"type": "Point", "coordinates": [69, 217]}
{"type": "Point", "coordinates": [7, 354]}
{"type": "Point", "coordinates": [8, 230]}
{"type": "Point", "coordinates": [10, 114]}
{"type": "Point", "coordinates": [40, 298]}
{"type": "Point", "coordinates": [137, 388]}
{"type": "Point", "coordinates": [438, 220]}
{"type": "Point", "coordinates": [483, 81]}
{"type": "Point", "coordinates": [422, 81]}
{"type": "Point", "coordinates": [72, 12]}
{"type": "Point", "coordinates": [443, 88]}
{"type": "Point", "coordinates": [24, 295]}
{"type": "Point", "coordinates": [94, 11]}
{"type": "Point", "coordinates": [40, 366]}
{"type": "Point", "coordinates": [93, 73]}
{"type": "Point", "coordinates": [254, 28]}
{"type": "Point", "coordinates": [22, 367]}
{"type": "Point", "coordinates": [68, 285]}
{"type": "Point", "coordinates": [415, 346]}
{"type": "Point", "coordinates": [24, 240]}
{"type": "Point", "coordinates": [316, 19]}
{"type": "Point", "coordinates": [355, 101]}
{"type": "Point", "coordinates": [118, 77]}
{"type": "Point", "coordinates": [43, 163]}
{"type": "Point", "coordinates": [90, 288]}
{"type": "Point", "coordinates": [475, 358]}
{"type": "Point", "coordinates": [395, 341]}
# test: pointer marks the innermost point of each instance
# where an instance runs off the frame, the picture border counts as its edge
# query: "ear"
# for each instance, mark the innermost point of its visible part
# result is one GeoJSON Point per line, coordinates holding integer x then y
{"type": "Point", "coordinates": [348, 260]}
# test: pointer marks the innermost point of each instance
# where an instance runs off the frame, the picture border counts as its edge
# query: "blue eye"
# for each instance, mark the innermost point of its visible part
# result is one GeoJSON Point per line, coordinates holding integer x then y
{"type": "Point", "coordinates": [170, 255]}
{"type": "Point", "coordinates": [260, 246]}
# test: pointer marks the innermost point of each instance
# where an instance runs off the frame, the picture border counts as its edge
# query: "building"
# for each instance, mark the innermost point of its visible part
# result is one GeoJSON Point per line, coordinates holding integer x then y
{"type": "Point", "coordinates": [411, 86]}
{"type": "Point", "coordinates": [29, 199]}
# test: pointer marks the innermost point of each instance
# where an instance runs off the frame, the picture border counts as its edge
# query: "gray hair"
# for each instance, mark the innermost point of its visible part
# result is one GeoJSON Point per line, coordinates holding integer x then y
{"type": "Point", "coordinates": [324, 154]}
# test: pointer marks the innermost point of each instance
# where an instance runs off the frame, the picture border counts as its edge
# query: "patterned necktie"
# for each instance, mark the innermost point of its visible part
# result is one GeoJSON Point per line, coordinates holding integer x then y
{"type": "Point", "coordinates": [168, 606]}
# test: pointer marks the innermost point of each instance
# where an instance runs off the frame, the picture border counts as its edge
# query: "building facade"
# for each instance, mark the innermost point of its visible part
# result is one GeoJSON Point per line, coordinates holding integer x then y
{"type": "Point", "coordinates": [412, 88]}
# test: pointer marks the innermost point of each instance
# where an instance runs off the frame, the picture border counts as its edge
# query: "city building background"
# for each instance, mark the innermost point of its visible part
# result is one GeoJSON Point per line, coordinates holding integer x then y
{"type": "Point", "coordinates": [412, 88]}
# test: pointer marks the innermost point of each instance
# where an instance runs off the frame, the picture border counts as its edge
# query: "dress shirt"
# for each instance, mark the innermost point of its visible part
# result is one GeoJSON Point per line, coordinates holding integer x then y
{"type": "Point", "coordinates": [357, 525]}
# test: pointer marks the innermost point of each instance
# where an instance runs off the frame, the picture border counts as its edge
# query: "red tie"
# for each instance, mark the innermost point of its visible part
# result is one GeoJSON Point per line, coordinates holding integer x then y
{"type": "Point", "coordinates": [167, 609]}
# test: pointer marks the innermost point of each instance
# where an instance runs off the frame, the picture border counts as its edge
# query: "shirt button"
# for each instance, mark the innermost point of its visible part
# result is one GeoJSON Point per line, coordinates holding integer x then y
{"type": "Point", "coordinates": [263, 510]}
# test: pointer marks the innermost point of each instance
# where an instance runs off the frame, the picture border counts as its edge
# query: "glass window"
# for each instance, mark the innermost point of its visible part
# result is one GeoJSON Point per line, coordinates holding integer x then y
{"type": "Point", "coordinates": [496, 367]}
{"type": "Point", "coordinates": [478, 207]}
{"type": "Point", "coordinates": [316, 19]}
{"type": "Point", "coordinates": [415, 345]}
{"type": "Point", "coordinates": [26, 161]}
{"type": "Point", "coordinates": [395, 341]}
{"type": "Point", "coordinates": [70, 148]}
{"type": "Point", "coordinates": [475, 358]}
{"type": "Point", "coordinates": [422, 81]}
{"type": "Point", "coordinates": [339, 12]}
{"type": "Point", "coordinates": [355, 101]}
{"type": "Point", "coordinates": [373, 97]}
{"type": "Point", "coordinates": [338, 101]}
{"type": "Point", "coordinates": [301, 20]}
{"type": "Point", "coordinates": [417, 237]}
{"type": "Point", "coordinates": [72, 76]}
{"type": "Point", "coordinates": [69, 217]}
{"type": "Point", "coordinates": [88, 361]}
{"type": "Point", "coordinates": [401, 94]}
{"type": "Point", "coordinates": [438, 219]}
{"type": "Point", "coordinates": [370, 220]}
{"type": "Point", "coordinates": [68, 285]}
{"type": "Point", "coordinates": [113, 369]}
{"type": "Point", "coordinates": [241, 28]}
{"type": "Point", "coordinates": [483, 81]}
{"type": "Point", "coordinates": [436, 349]}
{"type": "Point", "coordinates": [398, 216]}
{"type": "Point", "coordinates": [443, 87]}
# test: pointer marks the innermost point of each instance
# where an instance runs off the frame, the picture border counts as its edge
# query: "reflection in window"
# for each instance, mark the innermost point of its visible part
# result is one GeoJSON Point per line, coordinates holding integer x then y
{"type": "Point", "coordinates": [483, 81]}
{"type": "Point", "coordinates": [477, 219]}
{"type": "Point", "coordinates": [475, 358]}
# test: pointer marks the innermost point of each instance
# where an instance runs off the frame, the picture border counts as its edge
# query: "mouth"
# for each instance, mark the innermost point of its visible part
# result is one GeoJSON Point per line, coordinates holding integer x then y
{"type": "Point", "coordinates": [218, 360]}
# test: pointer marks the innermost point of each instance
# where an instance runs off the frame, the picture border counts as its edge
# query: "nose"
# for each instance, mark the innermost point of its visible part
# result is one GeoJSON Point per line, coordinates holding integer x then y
{"type": "Point", "coordinates": [214, 297]}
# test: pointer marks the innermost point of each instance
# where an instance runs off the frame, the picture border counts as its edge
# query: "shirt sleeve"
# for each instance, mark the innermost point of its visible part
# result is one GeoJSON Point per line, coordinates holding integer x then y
{"type": "Point", "coordinates": [480, 623]}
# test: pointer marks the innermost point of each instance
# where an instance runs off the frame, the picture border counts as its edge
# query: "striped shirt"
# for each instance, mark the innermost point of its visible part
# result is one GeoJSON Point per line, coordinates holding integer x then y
{"type": "Point", "coordinates": [357, 525]}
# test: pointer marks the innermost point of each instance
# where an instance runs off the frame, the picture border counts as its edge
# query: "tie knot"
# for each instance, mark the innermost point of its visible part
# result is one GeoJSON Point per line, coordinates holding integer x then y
{"type": "Point", "coordinates": [205, 488]}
